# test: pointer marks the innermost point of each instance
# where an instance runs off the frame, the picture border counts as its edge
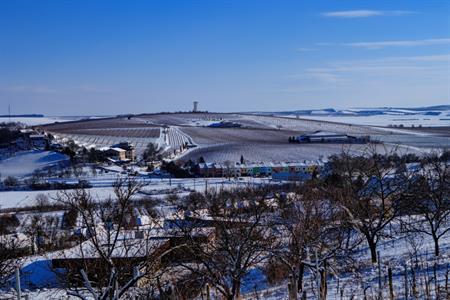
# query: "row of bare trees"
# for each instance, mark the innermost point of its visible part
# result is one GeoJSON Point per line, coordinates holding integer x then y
{"type": "Point", "coordinates": [314, 226]}
{"type": "Point", "coordinates": [217, 237]}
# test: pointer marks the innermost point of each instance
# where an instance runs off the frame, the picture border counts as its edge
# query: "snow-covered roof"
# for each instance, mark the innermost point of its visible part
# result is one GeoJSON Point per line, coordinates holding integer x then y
{"type": "Point", "coordinates": [325, 133]}
{"type": "Point", "coordinates": [37, 136]}
{"type": "Point", "coordinates": [26, 130]}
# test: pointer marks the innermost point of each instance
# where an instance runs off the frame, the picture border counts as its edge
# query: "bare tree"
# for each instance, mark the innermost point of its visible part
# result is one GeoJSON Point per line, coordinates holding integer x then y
{"type": "Point", "coordinates": [150, 153]}
{"type": "Point", "coordinates": [310, 224]}
{"type": "Point", "coordinates": [242, 239]}
{"type": "Point", "coordinates": [369, 189]}
{"type": "Point", "coordinates": [12, 248]}
{"type": "Point", "coordinates": [36, 230]}
{"type": "Point", "coordinates": [109, 259]}
{"type": "Point", "coordinates": [42, 200]}
{"type": "Point", "coordinates": [428, 200]}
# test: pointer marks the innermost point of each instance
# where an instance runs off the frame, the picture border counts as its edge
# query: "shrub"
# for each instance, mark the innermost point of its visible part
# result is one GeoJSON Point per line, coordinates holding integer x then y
{"type": "Point", "coordinates": [10, 182]}
{"type": "Point", "coordinates": [70, 218]}
{"type": "Point", "coordinates": [276, 272]}
{"type": "Point", "coordinates": [7, 223]}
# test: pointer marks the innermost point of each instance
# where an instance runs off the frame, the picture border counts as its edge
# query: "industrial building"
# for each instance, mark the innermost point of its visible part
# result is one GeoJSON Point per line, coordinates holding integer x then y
{"type": "Point", "coordinates": [330, 137]}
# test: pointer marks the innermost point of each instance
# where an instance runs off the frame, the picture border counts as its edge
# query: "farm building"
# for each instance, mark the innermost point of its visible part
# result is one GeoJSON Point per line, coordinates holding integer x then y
{"type": "Point", "coordinates": [28, 139]}
{"type": "Point", "coordinates": [224, 124]}
{"type": "Point", "coordinates": [330, 137]}
{"type": "Point", "coordinates": [116, 154]}
{"type": "Point", "coordinates": [38, 141]}
{"type": "Point", "coordinates": [121, 152]}
{"type": "Point", "coordinates": [130, 152]}
{"type": "Point", "coordinates": [133, 247]}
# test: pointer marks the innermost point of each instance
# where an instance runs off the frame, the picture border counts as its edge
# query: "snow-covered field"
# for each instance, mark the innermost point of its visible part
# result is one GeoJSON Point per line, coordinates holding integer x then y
{"type": "Point", "coordinates": [261, 138]}
{"type": "Point", "coordinates": [396, 252]}
{"type": "Point", "coordinates": [100, 141]}
{"type": "Point", "coordinates": [33, 121]}
{"type": "Point", "coordinates": [155, 187]}
{"type": "Point", "coordinates": [12, 199]}
{"type": "Point", "coordinates": [271, 152]}
{"type": "Point", "coordinates": [386, 120]}
{"type": "Point", "coordinates": [26, 162]}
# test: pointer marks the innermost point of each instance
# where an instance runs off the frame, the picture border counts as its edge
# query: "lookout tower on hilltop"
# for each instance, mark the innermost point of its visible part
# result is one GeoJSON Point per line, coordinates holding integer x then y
{"type": "Point", "coordinates": [195, 109]}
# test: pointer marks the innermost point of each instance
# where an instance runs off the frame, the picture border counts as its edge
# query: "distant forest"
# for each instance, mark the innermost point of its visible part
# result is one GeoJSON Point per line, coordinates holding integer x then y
{"type": "Point", "coordinates": [23, 116]}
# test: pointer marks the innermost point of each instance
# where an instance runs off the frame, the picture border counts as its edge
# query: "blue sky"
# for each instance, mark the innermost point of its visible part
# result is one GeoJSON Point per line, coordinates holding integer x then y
{"type": "Point", "coordinates": [107, 57]}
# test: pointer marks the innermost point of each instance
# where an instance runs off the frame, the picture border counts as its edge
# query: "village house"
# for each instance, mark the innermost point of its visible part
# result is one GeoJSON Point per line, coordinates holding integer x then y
{"type": "Point", "coordinates": [130, 152]}
{"type": "Point", "coordinates": [120, 153]}
{"type": "Point", "coordinates": [278, 171]}
{"type": "Point", "coordinates": [38, 141]}
{"type": "Point", "coordinates": [116, 154]}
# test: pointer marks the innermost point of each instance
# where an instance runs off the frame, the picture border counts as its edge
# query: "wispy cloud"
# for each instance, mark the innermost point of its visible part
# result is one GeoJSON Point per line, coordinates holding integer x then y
{"type": "Point", "coordinates": [428, 66]}
{"type": "Point", "coordinates": [304, 49]}
{"type": "Point", "coordinates": [400, 43]}
{"type": "Point", "coordinates": [365, 13]}
{"type": "Point", "coordinates": [317, 74]}
{"type": "Point", "coordinates": [89, 89]}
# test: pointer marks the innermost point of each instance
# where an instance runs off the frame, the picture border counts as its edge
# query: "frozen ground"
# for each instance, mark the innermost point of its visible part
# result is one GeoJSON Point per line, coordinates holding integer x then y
{"type": "Point", "coordinates": [100, 141]}
{"type": "Point", "coordinates": [12, 199]}
{"type": "Point", "coordinates": [40, 121]}
{"type": "Point", "coordinates": [274, 152]}
{"type": "Point", "coordinates": [396, 252]}
{"type": "Point", "coordinates": [261, 138]}
{"type": "Point", "coordinates": [154, 187]}
{"type": "Point", "coordinates": [26, 162]}
{"type": "Point", "coordinates": [386, 120]}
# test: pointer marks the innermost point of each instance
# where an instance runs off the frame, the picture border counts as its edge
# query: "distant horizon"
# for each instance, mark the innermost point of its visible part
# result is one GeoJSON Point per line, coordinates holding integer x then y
{"type": "Point", "coordinates": [43, 115]}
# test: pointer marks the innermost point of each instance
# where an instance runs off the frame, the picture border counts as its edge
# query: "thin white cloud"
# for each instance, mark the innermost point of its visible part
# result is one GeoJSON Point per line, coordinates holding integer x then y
{"type": "Point", "coordinates": [400, 43]}
{"type": "Point", "coordinates": [317, 74]}
{"type": "Point", "coordinates": [402, 80]}
{"type": "Point", "coordinates": [427, 66]}
{"type": "Point", "coordinates": [306, 49]}
{"type": "Point", "coordinates": [365, 13]}
{"type": "Point", "coordinates": [89, 89]}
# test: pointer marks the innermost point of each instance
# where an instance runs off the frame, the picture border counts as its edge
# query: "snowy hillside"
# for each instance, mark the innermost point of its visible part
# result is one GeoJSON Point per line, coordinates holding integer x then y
{"type": "Point", "coordinates": [25, 163]}
{"type": "Point", "coordinates": [383, 116]}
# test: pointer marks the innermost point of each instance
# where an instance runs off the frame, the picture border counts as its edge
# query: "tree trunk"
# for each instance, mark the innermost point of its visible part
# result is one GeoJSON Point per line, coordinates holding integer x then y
{"type": "Point", "coordinates": [323, 282]}
{"type": "Point", "coordinates": [236, 289]}
{"type": "Point", "coordinates": [436, 246]}
{"type": "Point", "coordinates": [373, 249]}
{"type": "Point", "coordinates": [301, 271]}
{"type": "Point", "coordinates": [294, 287]}
{"type": "Point", "coordinates": [391, 287]}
